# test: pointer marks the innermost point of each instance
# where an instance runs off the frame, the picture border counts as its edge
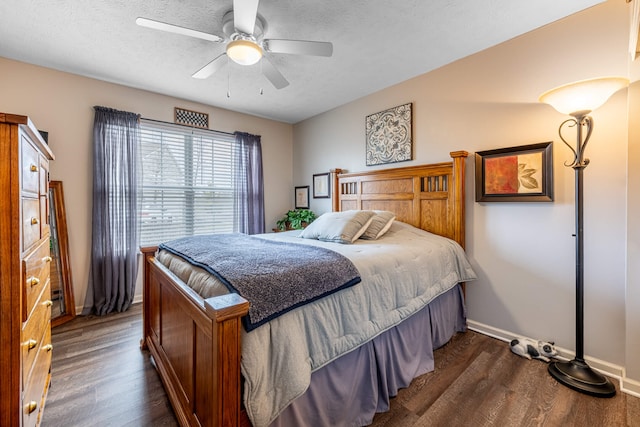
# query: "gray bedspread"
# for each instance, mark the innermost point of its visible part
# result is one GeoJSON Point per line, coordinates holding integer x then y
{"type": "Point", "coordinates": [401, 273]}
{"type": "Point", "coordinates": [275, 277]}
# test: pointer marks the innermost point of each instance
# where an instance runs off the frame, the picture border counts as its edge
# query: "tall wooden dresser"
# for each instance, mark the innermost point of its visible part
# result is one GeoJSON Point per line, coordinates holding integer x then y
{"type": "Point", "coordinates": [25, 297]}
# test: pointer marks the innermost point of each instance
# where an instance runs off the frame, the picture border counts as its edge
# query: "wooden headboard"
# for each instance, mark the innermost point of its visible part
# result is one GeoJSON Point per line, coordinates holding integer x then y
{"type": "Point", "coordinates": [430, 197]}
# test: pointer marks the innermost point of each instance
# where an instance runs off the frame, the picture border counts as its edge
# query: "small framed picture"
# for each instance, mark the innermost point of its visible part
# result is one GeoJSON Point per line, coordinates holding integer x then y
{"type": "Point", "coordinates": [301, 195]}
{"type": "Point", "coordinates": [515, 174]}
{"type": "Point", "coordinates": [321, 187]}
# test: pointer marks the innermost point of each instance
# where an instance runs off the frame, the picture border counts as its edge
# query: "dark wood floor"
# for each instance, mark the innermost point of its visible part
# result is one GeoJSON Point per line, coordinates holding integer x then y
{"type": "Point", "coordinates": [101, 378]}
{"type": "Point", "coordinates": [477, 381]}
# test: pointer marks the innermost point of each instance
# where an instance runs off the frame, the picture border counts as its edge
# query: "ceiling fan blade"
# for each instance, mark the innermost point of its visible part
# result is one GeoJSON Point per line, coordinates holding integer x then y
{"type": "Point", "coordinates": [244, 15]}
{"type": "Point", "coordinates": [162, 26]}
{"type": "Point", "coordinates": [273, 75]}
{"type": "Point", "coordinates": [298, 47]}
{"type": "Point", "coordinates": [210, 68]}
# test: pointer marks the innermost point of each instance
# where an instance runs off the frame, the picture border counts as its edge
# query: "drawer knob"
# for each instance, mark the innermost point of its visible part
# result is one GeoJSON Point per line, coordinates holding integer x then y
{"type": "Point", "coordinates": [48, 303]}
{"type": "Point", "coordinates": [47, 259]}
{"type": "Point", "coordinates": [33, 168]}
{"type": "Point", "coordinates": [33, 281]}
{"type": "Point", "coordinates": [34, 221]}
{"type": "Point", "coordinates": [31, 406]}
{"type": "Point", "coordinates": [31, 344]}
{"type": "Point", "coordinates": [47, 347]}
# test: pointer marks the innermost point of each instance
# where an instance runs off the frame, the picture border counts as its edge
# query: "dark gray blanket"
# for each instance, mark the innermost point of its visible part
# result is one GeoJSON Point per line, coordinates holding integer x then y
{"type": "Point", "coordinates": [274, 277]}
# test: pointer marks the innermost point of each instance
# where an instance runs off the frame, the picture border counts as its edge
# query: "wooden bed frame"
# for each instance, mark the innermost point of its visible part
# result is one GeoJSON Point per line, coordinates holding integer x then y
{"type": "Point", "coordinates": [195, 343]}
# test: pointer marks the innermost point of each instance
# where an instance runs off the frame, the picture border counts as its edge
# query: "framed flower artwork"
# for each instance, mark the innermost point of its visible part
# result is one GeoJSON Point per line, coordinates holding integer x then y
{"type": "Point", "coordinates": [515, 174]}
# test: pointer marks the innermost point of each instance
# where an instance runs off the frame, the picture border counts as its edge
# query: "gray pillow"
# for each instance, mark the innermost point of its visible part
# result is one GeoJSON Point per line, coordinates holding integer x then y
{"type": "Point", "coordinates": [380, 224]}
{"type": "Point", "coordinates": [338, 227]}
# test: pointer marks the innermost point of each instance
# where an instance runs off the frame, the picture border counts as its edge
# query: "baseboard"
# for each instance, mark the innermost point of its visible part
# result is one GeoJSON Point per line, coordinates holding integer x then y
{"type": "Point", "coordinates": [631, 387]}
{"type": "Point", "coordinates": [627, 385]}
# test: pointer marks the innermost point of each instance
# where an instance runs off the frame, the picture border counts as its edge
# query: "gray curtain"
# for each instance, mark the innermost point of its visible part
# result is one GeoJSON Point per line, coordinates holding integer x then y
{"type": "Point", "coordinates": [248, 200]}
{"type": "Point", "coordinates": [114, 248]}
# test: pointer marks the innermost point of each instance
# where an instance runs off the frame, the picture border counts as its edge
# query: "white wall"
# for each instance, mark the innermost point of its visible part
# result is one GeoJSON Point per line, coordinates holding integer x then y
{"type": "Point", "coordinates": [633, 235]}
{"type": "Point", "coordinates": [522, 252]}
{"type": "Point", "coordinates": [62, 104]}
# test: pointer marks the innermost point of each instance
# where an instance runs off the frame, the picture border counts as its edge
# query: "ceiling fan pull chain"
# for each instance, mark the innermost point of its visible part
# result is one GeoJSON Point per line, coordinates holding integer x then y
{"type": "Point", "coordinates": [228, 79]}
{"type": "Point", "coordinates": [261, 91]}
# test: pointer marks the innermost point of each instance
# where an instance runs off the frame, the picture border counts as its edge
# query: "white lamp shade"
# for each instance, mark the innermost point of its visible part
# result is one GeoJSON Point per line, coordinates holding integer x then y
{"type": "Point", "coordinates": [583, 96]}
{"type": "Point", "coordinates": [244, 52]}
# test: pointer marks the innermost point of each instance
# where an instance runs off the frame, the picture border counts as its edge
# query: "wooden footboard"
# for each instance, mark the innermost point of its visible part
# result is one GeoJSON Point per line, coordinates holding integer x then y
{"type": "Point", "coordinates": [195, 344]}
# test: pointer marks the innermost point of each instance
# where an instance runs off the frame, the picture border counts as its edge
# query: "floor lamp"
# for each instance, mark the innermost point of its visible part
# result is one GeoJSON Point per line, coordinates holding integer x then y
{"type": "Point", "coordinates": [578, 100]}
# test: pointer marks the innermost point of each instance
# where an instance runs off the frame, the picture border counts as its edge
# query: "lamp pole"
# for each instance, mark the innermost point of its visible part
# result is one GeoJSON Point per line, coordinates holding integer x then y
{"type": "Point", "coordinates": [579, 266]}
{"type": "Point", "coordinates": [579, 167]}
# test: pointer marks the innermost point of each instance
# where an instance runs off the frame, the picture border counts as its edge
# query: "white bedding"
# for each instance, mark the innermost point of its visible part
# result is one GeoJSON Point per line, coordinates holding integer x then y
{"type": "Point", "coordinates": [401, 273]}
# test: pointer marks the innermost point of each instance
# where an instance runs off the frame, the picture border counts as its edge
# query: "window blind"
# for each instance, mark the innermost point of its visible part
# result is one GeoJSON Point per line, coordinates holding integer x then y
{"type": "Point", "coordinates": [186, 183]}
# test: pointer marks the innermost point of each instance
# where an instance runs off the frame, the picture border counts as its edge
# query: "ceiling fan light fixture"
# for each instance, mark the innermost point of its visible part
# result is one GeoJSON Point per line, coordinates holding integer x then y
{"type": "Point", "coordinates": [244, 52]}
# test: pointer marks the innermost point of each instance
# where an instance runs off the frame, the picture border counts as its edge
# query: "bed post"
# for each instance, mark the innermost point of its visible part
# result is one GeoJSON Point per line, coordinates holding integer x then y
{"type": "Point", "coordinates": [226, 312]}
{"type": "Point", "coordinates": [147, 253]}
{"type": "Point", "coordinates": [459, 158]}
{"type": "Point", "coordinates": [335, 192]}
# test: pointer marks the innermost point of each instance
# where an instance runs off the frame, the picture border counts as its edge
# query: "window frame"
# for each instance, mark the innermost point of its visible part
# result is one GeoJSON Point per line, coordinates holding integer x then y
{"type": "Point", "coordinates": [204, 152]}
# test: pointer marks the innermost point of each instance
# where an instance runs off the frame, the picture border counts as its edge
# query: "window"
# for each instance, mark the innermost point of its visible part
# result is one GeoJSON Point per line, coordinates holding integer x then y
{"type": "Point", "coordinates": [186, 185]}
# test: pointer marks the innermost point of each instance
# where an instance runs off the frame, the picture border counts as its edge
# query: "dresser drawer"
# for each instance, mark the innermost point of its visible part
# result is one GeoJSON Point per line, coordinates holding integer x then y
{"type": "Point", "coordinates": [36, 390]}
{"type": "Point", "coordinates": [30, 165]}
{"type": "Point", "coordinates": [31, 227]}
{"type": "Point", "coordinates": [35, 277]}
{"type": "Point", "coordinates": [36, 334]}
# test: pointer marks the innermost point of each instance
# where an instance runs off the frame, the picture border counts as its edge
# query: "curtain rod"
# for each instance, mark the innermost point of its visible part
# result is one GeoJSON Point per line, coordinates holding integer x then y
{"type": "Point", "coordinates": [187, 126]}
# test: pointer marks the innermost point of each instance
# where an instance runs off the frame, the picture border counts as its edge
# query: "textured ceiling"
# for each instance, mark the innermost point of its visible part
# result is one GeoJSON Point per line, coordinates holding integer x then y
{"type": "Point", "coordinates": [377, 43]}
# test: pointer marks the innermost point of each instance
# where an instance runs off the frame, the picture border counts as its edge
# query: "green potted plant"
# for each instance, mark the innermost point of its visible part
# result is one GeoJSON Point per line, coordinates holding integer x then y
{"type": "Point", "coordinates": [295, 219]}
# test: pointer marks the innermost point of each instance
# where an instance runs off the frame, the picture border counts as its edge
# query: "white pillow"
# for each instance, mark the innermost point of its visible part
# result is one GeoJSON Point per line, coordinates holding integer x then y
{"type": "Point", "coordinates": [380, 224]}
{"type": "Point", "coordinates": [339, 227]}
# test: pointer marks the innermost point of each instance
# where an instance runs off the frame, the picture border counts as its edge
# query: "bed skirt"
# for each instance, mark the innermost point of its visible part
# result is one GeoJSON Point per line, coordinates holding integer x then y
{"type": "Point", "coordinates": [352, 389]}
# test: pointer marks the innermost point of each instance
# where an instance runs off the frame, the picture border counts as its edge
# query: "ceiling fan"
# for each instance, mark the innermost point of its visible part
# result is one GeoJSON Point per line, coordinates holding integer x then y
{"type": "Point", "coordinates": [243, 32]}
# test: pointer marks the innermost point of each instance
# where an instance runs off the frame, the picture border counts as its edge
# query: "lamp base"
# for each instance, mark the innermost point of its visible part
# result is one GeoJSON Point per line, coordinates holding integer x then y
{"type": "Point", "coordinates": [576, 374]}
